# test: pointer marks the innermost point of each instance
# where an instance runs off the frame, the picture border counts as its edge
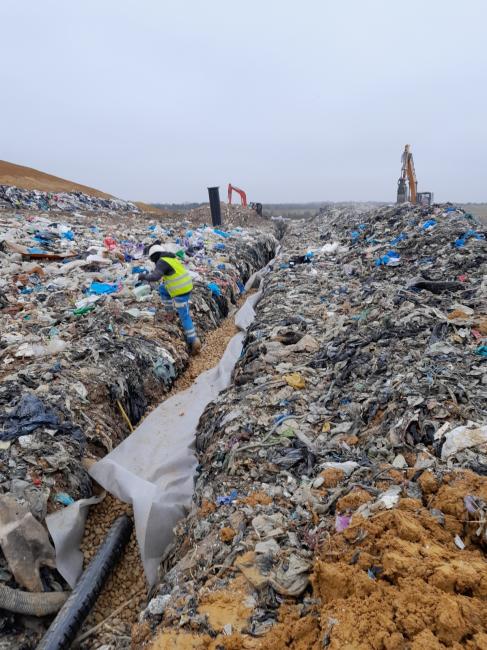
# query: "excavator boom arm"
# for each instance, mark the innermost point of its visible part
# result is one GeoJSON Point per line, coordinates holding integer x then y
{"type": "Point", "coordinates": [243, 196]}
{"type": "Point", "coordinates": [408, 176]}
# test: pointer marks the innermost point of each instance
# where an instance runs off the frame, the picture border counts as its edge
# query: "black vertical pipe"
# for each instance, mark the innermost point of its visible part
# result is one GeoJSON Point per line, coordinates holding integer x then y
{"type": "Point", "coordinates": [216, 212]}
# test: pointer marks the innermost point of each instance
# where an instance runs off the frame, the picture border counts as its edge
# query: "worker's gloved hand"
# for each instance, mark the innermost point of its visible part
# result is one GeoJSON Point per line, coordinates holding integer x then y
{"type": "Point", "coordinates": [142, 277]}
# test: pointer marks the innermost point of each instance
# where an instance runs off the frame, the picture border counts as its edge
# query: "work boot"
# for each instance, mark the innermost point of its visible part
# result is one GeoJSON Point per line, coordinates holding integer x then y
{"type": "Point", "coordinates": [195, 346]}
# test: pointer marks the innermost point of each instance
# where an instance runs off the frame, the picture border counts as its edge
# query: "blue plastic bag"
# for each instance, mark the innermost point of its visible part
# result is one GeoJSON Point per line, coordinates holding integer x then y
{"type": "Point", "coordinates": [65, 499]}
{"type": "Point", "coordinates": [428, 225]}
{"type": "Point", "coordinates": [227, 499]}
{"type": "Point", "coordinates": [99, 288]}
{"type": "Point", "coordinates": [461, 241]}
{"type": "Point", "coordinates": [222, 233]}
{"type": "Point", "coordinates": [214, 288]}
{"type": "Point", "coordinates": [391, 258]}
{"type": "Point", "coordinates": [401, 237]}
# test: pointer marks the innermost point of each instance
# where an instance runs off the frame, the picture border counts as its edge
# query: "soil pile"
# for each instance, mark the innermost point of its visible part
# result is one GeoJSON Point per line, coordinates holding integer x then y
{"type": "Point", "coordinates": [397, 580]}
{"type": "Point", "coordinates": [33, 179]}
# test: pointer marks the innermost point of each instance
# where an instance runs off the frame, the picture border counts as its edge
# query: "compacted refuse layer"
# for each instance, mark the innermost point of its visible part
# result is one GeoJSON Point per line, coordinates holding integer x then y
{"type": "Point", "coordinates": [341, 500]}
{"type": "Point", "coordinates": [85, 354]}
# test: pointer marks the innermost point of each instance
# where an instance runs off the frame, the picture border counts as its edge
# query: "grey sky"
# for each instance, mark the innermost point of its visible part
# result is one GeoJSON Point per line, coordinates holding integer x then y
{"type": "Point", "coordinates": [292, 101]}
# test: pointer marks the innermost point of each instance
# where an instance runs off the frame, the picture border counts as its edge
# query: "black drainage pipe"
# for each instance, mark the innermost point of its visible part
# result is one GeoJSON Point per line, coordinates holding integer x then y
{"type": "Point", "coordinates": [215, 207]}
{"type": "Point", "coordinates": [70, 618]}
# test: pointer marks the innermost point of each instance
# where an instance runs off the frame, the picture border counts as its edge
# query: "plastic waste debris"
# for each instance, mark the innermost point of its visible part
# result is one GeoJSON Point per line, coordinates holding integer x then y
{"type": "Point", "coordinates": [99, 288]}
{"type": "Point", "coordinates": [29, 414]}
{"type": "Point", "coordinates": [342, 522]}
{"type": "Point", "coordinates": [461, 241]}
{"type": "Point", "coordinates": [227, 499]}
{"type": "Point", "coordinates": [64, 499]}
{"type": "Point", "coordinates": [25, 543]}
{"type": "Point", "coordinates": [391, 258]}
{"type": "Point", "coordinates": [214, 288]}
{"type": "Point", "coordinates": [429, 225]}
{"type": "Point", "coordinates": [142, 291]}
{"type": "Point", "coordinates": [296, 380]}
{"type": "Point", "coordinates": [55, 346]}
{"type": "Point", "coordinates": [463, 437]}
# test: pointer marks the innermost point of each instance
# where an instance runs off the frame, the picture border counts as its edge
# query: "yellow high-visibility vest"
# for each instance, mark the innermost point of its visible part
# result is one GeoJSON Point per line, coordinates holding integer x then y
{"type": "Point", "coordinates": [180, 281]}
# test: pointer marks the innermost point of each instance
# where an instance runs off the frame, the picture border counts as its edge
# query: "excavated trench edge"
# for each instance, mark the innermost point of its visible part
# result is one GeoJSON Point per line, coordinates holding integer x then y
{"type": "Point", "coordinates": [252, 301]}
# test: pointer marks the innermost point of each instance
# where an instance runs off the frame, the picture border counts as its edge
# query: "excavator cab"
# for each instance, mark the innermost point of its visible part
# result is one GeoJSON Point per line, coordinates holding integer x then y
{"type": "Point", "coordinates": [257, 207]}
{"type": "Point", "coordinates": [425, 199]}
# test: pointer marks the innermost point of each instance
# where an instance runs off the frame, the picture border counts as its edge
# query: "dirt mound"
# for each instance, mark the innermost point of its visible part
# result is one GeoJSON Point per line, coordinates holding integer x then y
{"type": "Point", "coordinates": [396, 580]}
{"type": "Point", "coordinates": [152, 209]}
{"type": "Point", "coordinates": [32, 179]}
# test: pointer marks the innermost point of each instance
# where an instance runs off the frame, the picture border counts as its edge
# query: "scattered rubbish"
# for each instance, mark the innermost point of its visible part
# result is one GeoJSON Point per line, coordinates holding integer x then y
{"type": "Point", "coordinates": [65, 499]}
{"type": "Point", "coordinates": [356, 411]}
{"type": "Point", "coordinates": [83, 357]}
{"type": "Point", "coordinates": [428, 225]}
{"type": "Point", "coordinates": [463, 437]}
{"type": "Point", "coordinates": [295, 380]}
{"type": "Point", "coordinates": [342, 442]}
{"type": "Point", "coordinates": [62, 201]}
{"type": "Point", "coordinates": [461, 241]}
{"type": "Point", "coordinates": [227, 499]}
{"type": "Point", "coordinates": [459, 542]}
{"type": "Point", "coordinates": [391, 258]}
{"type": "Point", "coordinates": [342, 522]}
{"type": "Point", "coordinates": [98, 288]}
{"type": "Point", "coordinates": [25, 543]}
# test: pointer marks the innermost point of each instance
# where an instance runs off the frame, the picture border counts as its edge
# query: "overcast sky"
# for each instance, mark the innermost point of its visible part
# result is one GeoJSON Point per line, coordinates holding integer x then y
{"type": "Point", "coordinates": [292, 101]}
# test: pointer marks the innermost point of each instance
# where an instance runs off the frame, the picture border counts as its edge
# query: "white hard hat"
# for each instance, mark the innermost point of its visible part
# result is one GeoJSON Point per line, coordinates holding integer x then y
{"type": "Point", "coordinates": [157, 248]}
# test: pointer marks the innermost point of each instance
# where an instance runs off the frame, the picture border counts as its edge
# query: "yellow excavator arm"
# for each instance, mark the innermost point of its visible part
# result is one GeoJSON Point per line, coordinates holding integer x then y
{"type": "Point", "coordinates": [407, 184]}
{"type": "Point", "coordinates": [413, 183]}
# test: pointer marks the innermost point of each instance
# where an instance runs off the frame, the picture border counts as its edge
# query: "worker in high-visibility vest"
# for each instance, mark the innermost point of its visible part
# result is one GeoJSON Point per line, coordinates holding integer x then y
{"type": "Point", "coordinates": [175, 289]}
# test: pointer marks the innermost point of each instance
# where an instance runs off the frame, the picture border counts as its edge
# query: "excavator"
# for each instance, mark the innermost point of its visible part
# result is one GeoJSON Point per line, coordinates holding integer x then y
{"type": "Point", "coordinates": [407, 185]}
{"type": "Point", "coordinates": [243, 198]}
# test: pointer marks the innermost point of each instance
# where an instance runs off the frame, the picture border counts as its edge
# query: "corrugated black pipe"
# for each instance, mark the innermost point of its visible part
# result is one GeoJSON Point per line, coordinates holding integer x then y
{"type": "Point", "coordinates": [65, 626]}
{"type": "Point", "coordinates": [215, 207]}
{"type": "Point", "coordinates": [43, 603]}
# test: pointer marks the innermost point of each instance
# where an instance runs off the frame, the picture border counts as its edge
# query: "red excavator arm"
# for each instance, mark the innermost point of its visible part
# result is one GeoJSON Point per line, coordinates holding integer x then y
{"type": "Point", "coordinates": [243, 196]}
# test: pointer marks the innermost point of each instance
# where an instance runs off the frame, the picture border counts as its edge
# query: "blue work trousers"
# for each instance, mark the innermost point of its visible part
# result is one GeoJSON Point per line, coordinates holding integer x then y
{"type": "Point", "coordinates": [181, 305]}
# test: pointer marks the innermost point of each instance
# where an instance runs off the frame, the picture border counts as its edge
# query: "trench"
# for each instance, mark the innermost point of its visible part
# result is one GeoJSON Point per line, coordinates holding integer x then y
{"type": "Point", "coordinates": [125, 591]}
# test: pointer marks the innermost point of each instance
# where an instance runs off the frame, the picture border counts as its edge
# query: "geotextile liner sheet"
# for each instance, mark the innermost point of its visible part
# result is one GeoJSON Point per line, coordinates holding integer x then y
{"type": "Point", "coordinates": [153, 469]}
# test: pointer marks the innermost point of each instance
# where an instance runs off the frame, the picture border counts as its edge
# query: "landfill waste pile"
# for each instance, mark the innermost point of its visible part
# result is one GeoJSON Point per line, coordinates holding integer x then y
{"type": "Point", "coordinates": [232, 216]}
{"type": "Point", "coordinates": [341, 500]}
{"type": "Point", "coordinates": [19, 198]}
{"type": "Point", "coordinates": [85, 352]}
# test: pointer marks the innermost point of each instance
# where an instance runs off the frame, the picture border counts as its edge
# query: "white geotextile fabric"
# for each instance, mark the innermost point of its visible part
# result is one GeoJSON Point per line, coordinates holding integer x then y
{"type": "Point", "coordinates": [154, 467]}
